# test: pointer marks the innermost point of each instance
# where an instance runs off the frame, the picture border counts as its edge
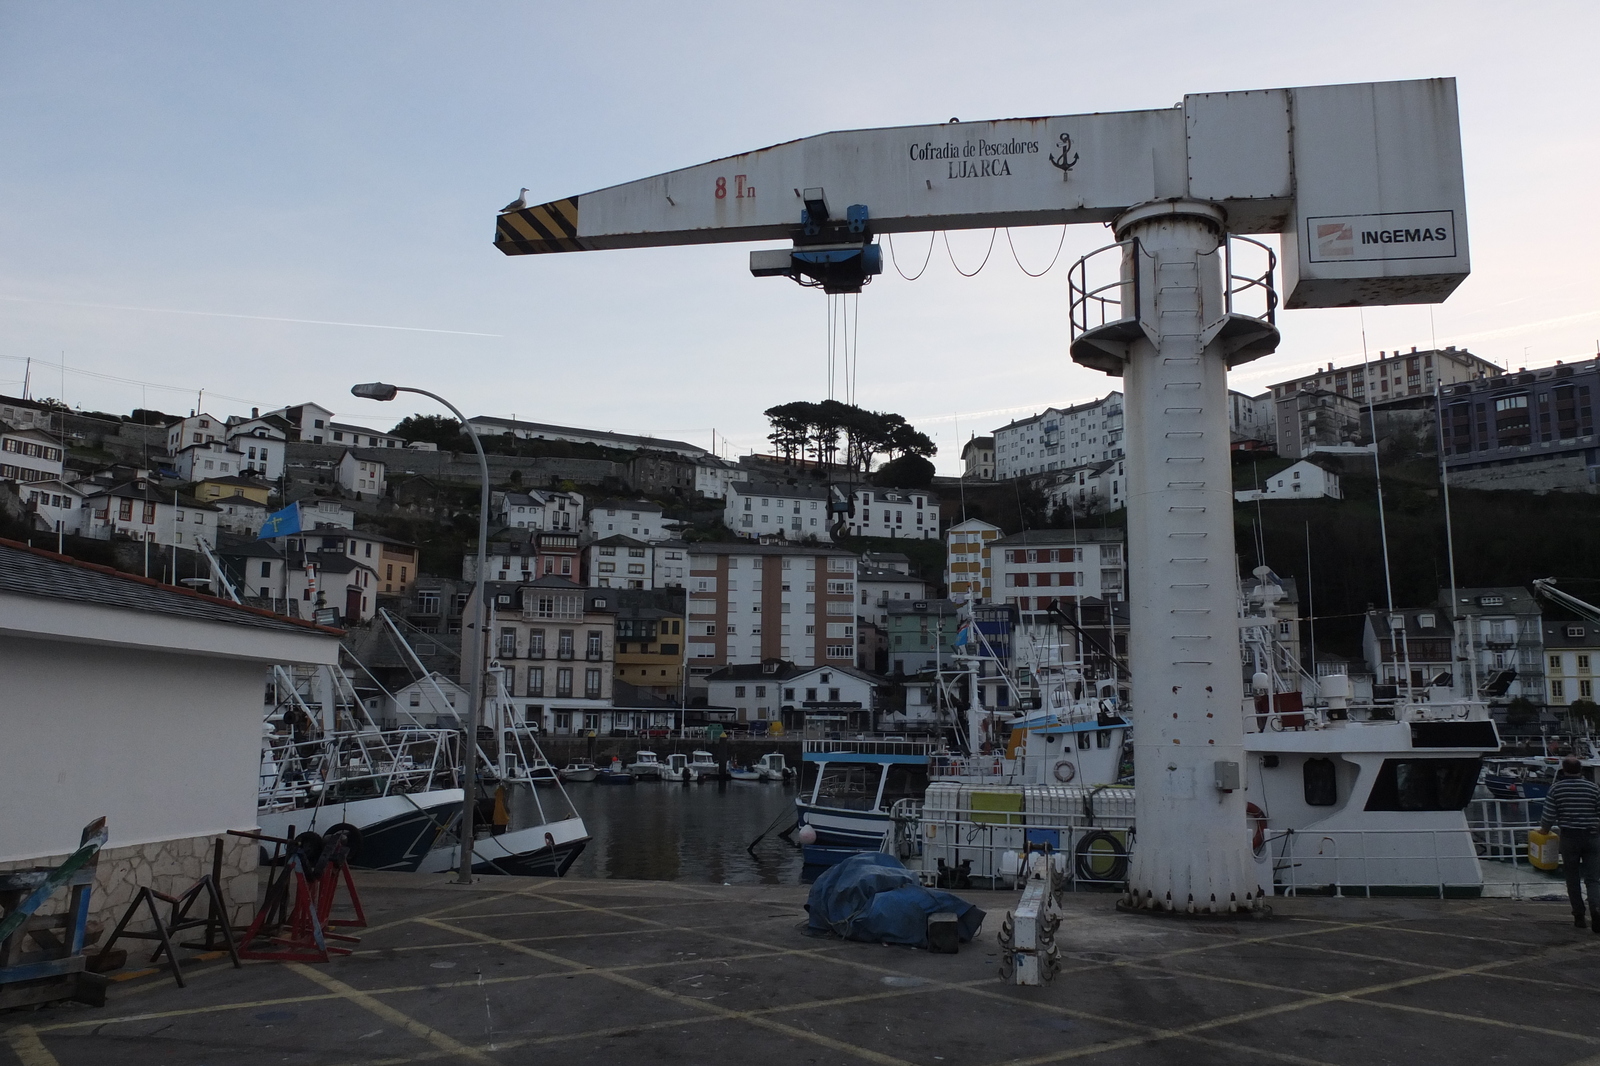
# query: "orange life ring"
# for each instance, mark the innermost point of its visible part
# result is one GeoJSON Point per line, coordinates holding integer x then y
{"type": "Point", "coordinates": [1258, 819]}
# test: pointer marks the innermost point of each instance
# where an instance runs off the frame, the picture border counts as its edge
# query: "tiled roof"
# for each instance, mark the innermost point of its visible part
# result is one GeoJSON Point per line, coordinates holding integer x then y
{"type": "Point", "coordinates": [26, 571]}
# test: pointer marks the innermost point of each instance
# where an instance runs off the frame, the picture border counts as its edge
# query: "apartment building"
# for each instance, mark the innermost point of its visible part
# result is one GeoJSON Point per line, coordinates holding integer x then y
{"type": "Point", "coordinates": [822, 697]}
{"type": "Point", "coordinates": [1039, 567]}
{"type": "Point", "coordinates": [1390, 376]}
{"type": "Point", "coordinates": [554, 644]}
{"type": "Point", "coordinates": [1060, 438]}
{"type": "Point", "coordinates": [765, 509]}
{"type": "Point", "coordinates": [619, 562]}
{"type": "Point", "coordinates": [912, 513]}
{"type": "Point", "coordinates": [1534, 429]}
{"type": "Point", "coordinates": [921, 634]}
{"type": "Point", "coordinates": [1252, 418]}
{"type": "Point", "coordinates": [750, 601]}
{"type": "Point", "coordinates": [1408, 648]}
{"type": "Point", "coordinates": [670, 564]}
{"type": "Point", "coordinates": [967, 563]}
{"type": "Point", "coordinates": [1311, 420]}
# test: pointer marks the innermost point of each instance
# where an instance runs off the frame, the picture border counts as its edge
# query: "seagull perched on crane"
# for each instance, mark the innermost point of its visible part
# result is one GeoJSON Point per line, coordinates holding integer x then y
{"type": "Point", "coordinates": [518, 204]}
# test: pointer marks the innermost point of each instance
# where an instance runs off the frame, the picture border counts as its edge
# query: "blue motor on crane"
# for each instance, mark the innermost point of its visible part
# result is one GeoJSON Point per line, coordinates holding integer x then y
{"type": "Point", "coordinates": [833, 254]}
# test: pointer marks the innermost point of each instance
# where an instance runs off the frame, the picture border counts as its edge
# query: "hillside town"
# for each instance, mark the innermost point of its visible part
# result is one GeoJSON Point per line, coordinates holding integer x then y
{"type": "Point", "coordinates": [788, 591]}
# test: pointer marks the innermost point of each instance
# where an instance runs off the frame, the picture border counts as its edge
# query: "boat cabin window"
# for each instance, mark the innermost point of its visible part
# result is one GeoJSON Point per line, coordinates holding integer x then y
{"type": "Point", "coordinates": [1102, 738]}
{"type": "Point", "coordinates": [1423, 785]}
{"type": "Point", "coordinates": [1321, 782]}
{"type": "Point", "coordinates": [905, 781]}
{"type": "Point", "coordinates": [849, 786]}
{"type": "Point", "coordinates": [1083, 741]}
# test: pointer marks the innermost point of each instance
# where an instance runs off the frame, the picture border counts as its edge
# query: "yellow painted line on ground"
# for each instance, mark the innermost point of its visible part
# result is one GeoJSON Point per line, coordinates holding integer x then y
{"type": "Point", "coordinates": [131, 975]}
{"type": "Point", "coordinates": [370, 1003]}
{"type": "Point", "coordinates": [28, 1048]}
{"type": "Point", "coordinates": [698, 1004]}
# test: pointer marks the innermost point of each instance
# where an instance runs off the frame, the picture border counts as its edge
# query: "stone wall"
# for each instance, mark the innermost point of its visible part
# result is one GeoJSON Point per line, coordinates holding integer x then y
{"type": "Point", "coordinates": [536, 472]}
{"type": "Point", "coordinates": [168, 866]}
{"type": "Point", "coordinates": [1563, 474]}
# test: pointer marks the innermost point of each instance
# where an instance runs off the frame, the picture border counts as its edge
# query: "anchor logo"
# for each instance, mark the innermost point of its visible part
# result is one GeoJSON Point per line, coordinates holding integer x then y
{"type": "Point", "coordinates": [1067, 159]}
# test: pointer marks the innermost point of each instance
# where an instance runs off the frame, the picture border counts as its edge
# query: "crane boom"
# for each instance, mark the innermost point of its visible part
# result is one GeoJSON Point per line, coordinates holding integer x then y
{"type": "Point", "coordinates": [1546, 587]}
{"type": "Point", "coordinates": [1364, 182]}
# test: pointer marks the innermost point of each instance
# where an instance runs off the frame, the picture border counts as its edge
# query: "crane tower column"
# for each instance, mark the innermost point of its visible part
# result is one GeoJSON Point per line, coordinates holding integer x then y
{"type": "Point", "coordinates": [1173, 347]}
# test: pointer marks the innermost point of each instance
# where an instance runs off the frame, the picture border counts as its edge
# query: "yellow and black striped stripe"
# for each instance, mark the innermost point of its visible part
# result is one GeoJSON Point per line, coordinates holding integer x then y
{"type": "Point", "coordinates": [551, 227]}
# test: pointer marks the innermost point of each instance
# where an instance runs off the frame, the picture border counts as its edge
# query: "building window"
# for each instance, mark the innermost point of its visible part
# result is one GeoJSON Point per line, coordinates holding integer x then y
{"type": "Point", "coordinates": [591, 684]}
{"type": "Point", "coordinates": [536, 681]}
{"type": "Point", "coordinates": [564, 683]}
{"type": "Point", "coordinates": [1555, 662]}
{"type": "Point", "coordinates": [1557, 690]}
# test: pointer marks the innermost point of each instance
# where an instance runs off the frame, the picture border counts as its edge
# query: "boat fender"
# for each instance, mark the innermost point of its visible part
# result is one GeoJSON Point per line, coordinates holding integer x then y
{"type": "Point", "coordinates": [1100, 845]}
{"type": "Point", "coordinates": [1064, 771]}
{"type": "Point", "coordinates": [352, 837]}
{"type": "Point", "coordinates": [1258, 822]}
{"type": "Point", "coordinates": [807, 835]}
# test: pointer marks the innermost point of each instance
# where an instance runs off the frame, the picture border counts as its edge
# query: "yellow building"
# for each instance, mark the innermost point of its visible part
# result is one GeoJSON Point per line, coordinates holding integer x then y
{"type": "Point", "coordinates": [218, 488]}
{"type": "Point", "coordinates": [967, 571]}
{"type": "Point", "coordinates": [650, 649]}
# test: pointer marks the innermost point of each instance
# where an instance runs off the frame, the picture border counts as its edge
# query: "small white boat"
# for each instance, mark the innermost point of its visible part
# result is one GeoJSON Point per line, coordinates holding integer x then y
{"type": "Point", "coordinates": [580, 771]}
{"type": "Point", "coordinates": [540, 772]}
{"type": "Point", "coordinates": [704, 765]}
{"type": "Point", "coordinates": [772, 767]}
{"type": "Point", "coordinates": [676, 768]}
{"type": "Point", "coordinates": [645, 764]}
{"type": "Point", "coordinates": [744, 773]}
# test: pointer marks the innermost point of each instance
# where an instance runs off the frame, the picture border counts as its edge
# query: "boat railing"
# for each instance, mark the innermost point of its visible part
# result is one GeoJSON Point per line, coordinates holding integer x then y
{"type": "Point", "coordinates": [979, 768]}
{"type": "Point", "coordinates": [1490, 859]}
{"type": "Point", "coordinates": [1320, 717]}
{"type": "Point", "coordinates": [371, 762]}
{"type": "Point", "coordinates": [866, 747]}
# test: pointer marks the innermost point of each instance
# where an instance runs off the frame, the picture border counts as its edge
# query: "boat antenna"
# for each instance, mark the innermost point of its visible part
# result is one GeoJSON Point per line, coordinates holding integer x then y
{"type": "Point", "coordinates": [1383, 527]}
{"type": "Point", "coordinates": [1449, 530]}
{"type": "Point", "coordinates": [1311, 610]}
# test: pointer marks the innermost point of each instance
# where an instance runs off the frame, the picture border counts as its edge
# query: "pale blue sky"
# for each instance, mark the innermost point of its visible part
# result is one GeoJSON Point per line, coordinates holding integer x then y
{"type": "Point", "coordinates": [343, 162]}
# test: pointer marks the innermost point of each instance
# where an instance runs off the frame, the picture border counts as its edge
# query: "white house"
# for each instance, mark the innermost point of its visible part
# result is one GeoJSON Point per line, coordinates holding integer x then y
{"type": "Point", "coordinates": [910, 513]}
{"type": "Point", "coordinates": [26, 414]}
{"type": "Point", "coordinates": [361, 475]}
{"type": "Point", "coordinates": [755, 509]}
{"type": "Point", "coordinates": [213, 458]}
{"type": "Point", "coordinates": [878, 586]}
{"type": "Point", "coordinates": [142, 510]}
{"type": "Point", "coordinates": [619, 562]}
{"type": "Point", "coordinates": [29, 455]}
{"type": "Point", "coordinates": [142, 703]}
{"type": "Point", "coordinates": [713, 475]}
{"type": "Point", "coordinates": [1304, 480]}
{"type": "Point", "coordinates": [639, 519]}
{"type": "Point", "coordinates": [540, 509]}
{"type": "Point", "coordinates": [262, 441]}
{"type": "Point", "coordinates": [258, 442]}
{"type": "Point", "coordinates": [326, 514]}
{"type": "Point", "coordinates": [308, 421]}
{"type": "Point", "coordinates": [198, 428]}
{"type": "Point", "coordinates": [775, 690]}
{"type": "Point", "coordinates": [56, 507]}
{"type": "Point", "coordinates": [433, 702]}
{"type": "Point", "coordinates": [240, 514]}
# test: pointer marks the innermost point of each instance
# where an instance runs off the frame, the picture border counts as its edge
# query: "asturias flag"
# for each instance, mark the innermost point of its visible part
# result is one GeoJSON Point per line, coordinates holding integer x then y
{"type": "Point", "coordinates": [281, 523]}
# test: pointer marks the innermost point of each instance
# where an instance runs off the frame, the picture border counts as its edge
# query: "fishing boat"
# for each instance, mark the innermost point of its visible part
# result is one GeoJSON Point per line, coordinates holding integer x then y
{"type": "Point", "coordinates": [773, 768]}
{"type": "Point", "coordinates": [579, 771]}
{"type": "Point", "coordinates": [1526, 778]}
{"type": "Point", "coordinates": [676, 768]}
{"type": "Point", "coordinates": [540, 772]}
{"type": "Point", "coordinates": [645, 764]}
{"type": "Point", "coordinates": [704, 765]}
{"type": "Point", "coordinates": [615, 774]}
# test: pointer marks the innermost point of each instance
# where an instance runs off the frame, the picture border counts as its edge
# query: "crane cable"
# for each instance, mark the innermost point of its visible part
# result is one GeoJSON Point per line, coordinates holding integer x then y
{"type": "Point", "coordinates": [981, 265]}
{"type": "Point", "coordinates": [925, 259]}
{"type": "Point", "coordinates": [1059, 245]}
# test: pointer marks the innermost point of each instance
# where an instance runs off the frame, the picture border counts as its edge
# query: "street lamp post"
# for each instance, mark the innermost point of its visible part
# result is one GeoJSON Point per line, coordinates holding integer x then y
{"type": "Point", "coordinates": [377, 390]}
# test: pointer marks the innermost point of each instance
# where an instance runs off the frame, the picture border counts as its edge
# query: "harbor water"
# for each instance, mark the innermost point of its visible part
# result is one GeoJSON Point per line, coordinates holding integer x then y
{"type": "Point", "coordinates": [664, 831]}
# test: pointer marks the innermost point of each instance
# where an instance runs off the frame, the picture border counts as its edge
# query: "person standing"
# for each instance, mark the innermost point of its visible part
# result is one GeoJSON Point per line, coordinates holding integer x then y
{"type": "Point", "coordinates": [1573, 807]}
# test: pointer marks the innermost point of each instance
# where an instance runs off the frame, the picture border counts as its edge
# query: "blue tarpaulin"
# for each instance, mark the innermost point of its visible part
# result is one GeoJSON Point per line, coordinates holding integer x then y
{"type": "Point", "coordinates": [873, 897]}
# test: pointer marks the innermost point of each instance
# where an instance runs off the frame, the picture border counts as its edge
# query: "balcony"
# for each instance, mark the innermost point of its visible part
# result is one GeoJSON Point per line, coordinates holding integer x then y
{"type": "Point", "coordinates": [564, 654]}
{"type": "Point", "coordinates": [593, 656]}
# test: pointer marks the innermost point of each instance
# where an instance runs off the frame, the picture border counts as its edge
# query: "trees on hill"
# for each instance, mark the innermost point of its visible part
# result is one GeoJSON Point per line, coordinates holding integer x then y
{"type": "Point", "coordinates": [804, 430]}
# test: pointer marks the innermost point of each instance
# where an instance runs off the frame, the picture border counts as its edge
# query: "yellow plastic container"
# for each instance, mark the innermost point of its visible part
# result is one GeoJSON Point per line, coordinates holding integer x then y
{"type": "Point", "coordinates": [1544, 850]}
